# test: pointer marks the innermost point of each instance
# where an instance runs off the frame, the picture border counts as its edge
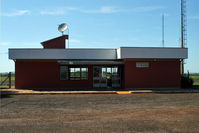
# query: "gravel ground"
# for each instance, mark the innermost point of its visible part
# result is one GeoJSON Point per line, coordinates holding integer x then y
{"type": "Point", "coordinates": [108, 113]}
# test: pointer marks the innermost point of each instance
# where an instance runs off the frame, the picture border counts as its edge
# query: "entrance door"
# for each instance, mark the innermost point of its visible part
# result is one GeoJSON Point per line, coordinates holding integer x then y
{"type": "Point", "coordinates": [106, 77]}
{"type": "Point", "coordinates": [103, 79]}
{"type": "Point", "coordinates": [109, 77]}
{"type": "Point", "coordinates": [116, 76]}
{"type": "Point", "coordinates": [96, 76]}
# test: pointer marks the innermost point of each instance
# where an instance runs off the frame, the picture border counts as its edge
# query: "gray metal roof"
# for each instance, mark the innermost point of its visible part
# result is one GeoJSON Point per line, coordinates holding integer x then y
{"type": "Point", "coordinates": [101, 54]}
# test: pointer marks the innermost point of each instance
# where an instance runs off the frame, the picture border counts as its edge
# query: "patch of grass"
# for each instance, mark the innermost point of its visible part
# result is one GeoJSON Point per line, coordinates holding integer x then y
{"type": "Point", "coordinates": [4, 76]}
{"type": "Point", "coordinates": [194, 76]}
{"type": "Point", "coordinates": [4, 86]}
{"type": "Point", "coordinates": [195, 83]}
{"type": "Point", "coordinates": [195, 80]}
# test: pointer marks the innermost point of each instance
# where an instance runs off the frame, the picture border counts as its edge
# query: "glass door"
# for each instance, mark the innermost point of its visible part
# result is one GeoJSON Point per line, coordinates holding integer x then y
{"type": "Point", "coordinates": [106, 77]}
{"type": "Point", "coordinates": [96, 76]}
{"type": "Point", "coordinates": [116, 77]}
{"type": "Point", "coordinates": [103, 79]}
{"type": "Point", "coordinates": [109, 77]}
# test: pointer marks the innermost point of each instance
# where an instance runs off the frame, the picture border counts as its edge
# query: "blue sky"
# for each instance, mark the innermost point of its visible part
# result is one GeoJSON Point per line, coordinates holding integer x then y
{"type": "Point", "coordinates": [97, 24]}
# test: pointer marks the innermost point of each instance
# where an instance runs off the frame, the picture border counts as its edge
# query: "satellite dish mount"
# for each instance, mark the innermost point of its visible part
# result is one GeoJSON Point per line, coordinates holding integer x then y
{"type": "Point", "coordinates": [62, 27]}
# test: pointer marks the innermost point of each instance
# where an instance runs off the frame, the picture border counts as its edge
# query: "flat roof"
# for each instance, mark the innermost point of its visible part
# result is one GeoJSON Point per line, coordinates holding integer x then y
{"type": "Point", "coordinates": [101, 53]}
{"type": "Point", "coordinates": [152, 52]}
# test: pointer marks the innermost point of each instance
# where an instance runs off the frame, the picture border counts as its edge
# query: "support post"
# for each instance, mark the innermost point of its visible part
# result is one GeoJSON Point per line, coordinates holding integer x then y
{"type": "Point", "coordinates": [10, 76]}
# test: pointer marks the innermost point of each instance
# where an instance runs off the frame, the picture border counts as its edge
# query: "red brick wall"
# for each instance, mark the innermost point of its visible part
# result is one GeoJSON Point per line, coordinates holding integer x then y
{"type": "Point", "coordinates": [158, 74]}
{"type": "Point", "coordinates": [45, 75]}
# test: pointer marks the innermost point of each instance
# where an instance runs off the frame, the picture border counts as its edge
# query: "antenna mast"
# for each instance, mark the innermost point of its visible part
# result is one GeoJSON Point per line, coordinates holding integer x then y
{"type": "Point", "coordinates": [183, 30]}
{"type": "Point", "coordinates": [162, 30]}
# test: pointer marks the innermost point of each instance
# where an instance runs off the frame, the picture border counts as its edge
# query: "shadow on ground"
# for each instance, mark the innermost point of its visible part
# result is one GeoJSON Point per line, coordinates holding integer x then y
{"type": "Point", "coordinates": [5, 96]}
{"type": "Point", "coordinates": [5, 93]}
{"type": "Point", "coordinates": [134, 90]}
{"type": "Point", "coordinates": [75, 89]}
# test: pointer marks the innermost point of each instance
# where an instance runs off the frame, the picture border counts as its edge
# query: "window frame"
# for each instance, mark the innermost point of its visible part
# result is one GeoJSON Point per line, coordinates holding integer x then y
{"type": "Point", "coordinates": [76, 77]}
{"type": "Point", "coordinates": [63, 70]}
{"type": "Point", "coordinates": [142, 64]}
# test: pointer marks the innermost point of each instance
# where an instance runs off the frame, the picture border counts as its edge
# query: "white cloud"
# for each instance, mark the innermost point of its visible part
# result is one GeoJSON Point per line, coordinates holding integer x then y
{"type": "Point", "coordinates": [55, 12]}
{"type": "Point", "coordinates": [60, 11]}
{"type": "Point", "coordinates": [16, 13]}
{"type": "Point", "coordinates": [104, 9]}
{"type": "Point", "coordinates": [147, 8]}
{"type": "Point", "coordinates": [193, 17]}
{"type": "Point", "coordinates": [95, 42]}
{"type": "Point", "coordinates": [100, 10]}
{"type": "Point", "coordinates": [112, 9]}
{"type": "Point", "coordinates": [71, 8]}
{"type": "Point", "coordinates": [17, 44]}
{"type": "Point", "coordinates": [107, 9]}
{"type": "Point", "coordinates": [5, 43]}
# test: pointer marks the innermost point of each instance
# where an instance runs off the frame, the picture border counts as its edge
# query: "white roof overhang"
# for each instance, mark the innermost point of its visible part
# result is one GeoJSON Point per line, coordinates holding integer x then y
{"type": "Point", "coordinates": [96, 54]}
{"type": "Point", "coordinates": [151, 53]}
{"type": "Point", "coordinates": [100, 54]}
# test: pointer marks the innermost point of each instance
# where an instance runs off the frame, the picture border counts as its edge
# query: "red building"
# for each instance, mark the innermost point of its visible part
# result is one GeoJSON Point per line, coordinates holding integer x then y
{"type": "Point", "coordinates": [55, 66]}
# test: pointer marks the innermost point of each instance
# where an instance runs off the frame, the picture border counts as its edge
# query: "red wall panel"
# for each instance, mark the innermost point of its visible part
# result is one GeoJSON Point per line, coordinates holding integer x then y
{"type": "Point", "coordinates": [162, 73]}
{"type": "Point", "coordinates": [45, 75]}
{"type": "Point", "coordinates": [58, 42]}
{"type": "Point", "coordinates": [38, 74]}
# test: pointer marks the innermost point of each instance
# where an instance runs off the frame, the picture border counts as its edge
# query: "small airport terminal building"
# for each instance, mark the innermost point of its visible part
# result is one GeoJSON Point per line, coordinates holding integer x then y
{"type": "Point", "coordinates": [55, 66]}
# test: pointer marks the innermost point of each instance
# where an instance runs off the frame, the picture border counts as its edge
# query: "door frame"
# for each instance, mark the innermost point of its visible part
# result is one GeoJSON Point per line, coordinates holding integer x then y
{"type": "Point", "coordinates": [101, 79]}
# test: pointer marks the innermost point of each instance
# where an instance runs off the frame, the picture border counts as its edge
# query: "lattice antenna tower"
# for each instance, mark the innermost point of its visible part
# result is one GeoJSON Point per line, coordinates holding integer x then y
{"type": "Point", "coordinates": [183, 30]}
{"type": "Point", "coordinates": [183, 24]}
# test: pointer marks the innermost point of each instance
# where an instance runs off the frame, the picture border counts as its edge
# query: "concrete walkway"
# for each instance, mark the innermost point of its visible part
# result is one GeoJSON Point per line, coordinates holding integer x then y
{"type": "Point", "coordinates": [133, 91]}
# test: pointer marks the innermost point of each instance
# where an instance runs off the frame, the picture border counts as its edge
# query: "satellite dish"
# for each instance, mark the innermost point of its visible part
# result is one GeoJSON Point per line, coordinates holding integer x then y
{"type": "Point", "coordinates": [62, 28]}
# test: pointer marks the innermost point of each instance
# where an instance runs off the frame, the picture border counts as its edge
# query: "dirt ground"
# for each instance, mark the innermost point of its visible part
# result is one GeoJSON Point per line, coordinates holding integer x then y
{"type": "Point", "coordinates": [100, 113]}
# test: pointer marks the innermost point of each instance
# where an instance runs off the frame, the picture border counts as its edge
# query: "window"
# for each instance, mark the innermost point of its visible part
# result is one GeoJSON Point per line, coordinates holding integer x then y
{"type": "Point", "coordinates": [84, 73]}
{"type": "Point", "coordinates": [142, 64]}
{"type": "Point", "coordinates": [104, 72]}
{"type": "Point", "coordinates": [73, 73]}
{"type": "Point", "coordinates": [63, 72]}
{"type": "Point", "coordinates": [115, 71]}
